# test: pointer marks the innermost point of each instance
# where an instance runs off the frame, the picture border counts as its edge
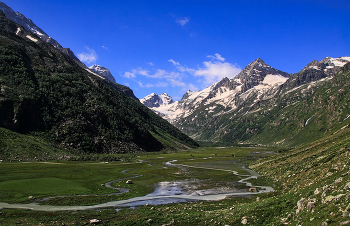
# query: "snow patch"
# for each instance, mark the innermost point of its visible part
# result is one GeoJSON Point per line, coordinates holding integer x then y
{"type": "Point", "coordinates": [273, 79]}
{"type": "Point", "coordinates": [31, 38]}
{"type": "Point", "coordinates": [18, 31]}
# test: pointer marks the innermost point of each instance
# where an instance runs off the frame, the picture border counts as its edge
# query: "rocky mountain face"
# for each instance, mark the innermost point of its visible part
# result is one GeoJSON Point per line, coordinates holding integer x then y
{"type": "Point", "coordinates": [262, 79]}
{"type": "Point", "coordinates": [44, 91]}
{"type": "Point", "coordinates": [29, 25]}
{"type": "Point", "coordinates": [102, 71]}
{"type": "Point", "coordinates": [154, 101]}
{"type": "Point", "coordinates": [253, 106]}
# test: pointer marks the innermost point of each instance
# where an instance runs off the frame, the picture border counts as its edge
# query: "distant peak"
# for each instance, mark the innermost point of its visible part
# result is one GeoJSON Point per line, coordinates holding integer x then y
{"type": "Point", "coordinates": [258, 60]}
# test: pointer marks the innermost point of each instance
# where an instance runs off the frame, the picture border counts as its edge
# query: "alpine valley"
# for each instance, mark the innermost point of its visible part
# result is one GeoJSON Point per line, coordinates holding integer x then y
{"type": "Point", "coordinates": [264, 147]}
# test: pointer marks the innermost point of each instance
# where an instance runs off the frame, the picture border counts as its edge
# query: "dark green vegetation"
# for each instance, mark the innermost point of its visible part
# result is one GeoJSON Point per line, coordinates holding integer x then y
{"type": "Point", "coordinates": [42, 179]}
{"type": "Point", "coordinates": [43, 92]}
{"type": "Point", "coordinates": [296, 115]}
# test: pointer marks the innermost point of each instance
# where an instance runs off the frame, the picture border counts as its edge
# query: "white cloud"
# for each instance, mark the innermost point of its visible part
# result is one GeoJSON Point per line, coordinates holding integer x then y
{"type": "Point", "coordinates": [183, 21]}
{"type": "Point", "coordinates": [212, 71]}
{"type": "Point", "coordinates": [89, 57]}
{"type": "Point", "coordinates": [216, 57]}
{"type": "Point", "coordinates": [150, 63]}
{"type": "Point", "coordinates": [106, 48]}
{"type": "Point", "coordinates": [129, 75]}
{"type": "Point", "coordinates": [174, 62]}
{"type": "Point", "coordinates": [175, 82]}
{"type": "Point", "coordinates": [192, 87]}
{"type": "Point", "coordinates": [148, 85]}
{"type": "Point", "coordinates": [215, 71]}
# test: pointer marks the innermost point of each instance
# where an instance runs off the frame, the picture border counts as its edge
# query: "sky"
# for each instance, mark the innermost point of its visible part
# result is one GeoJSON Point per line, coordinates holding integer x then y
{"type": "Point", "coordinates": [172, 46]}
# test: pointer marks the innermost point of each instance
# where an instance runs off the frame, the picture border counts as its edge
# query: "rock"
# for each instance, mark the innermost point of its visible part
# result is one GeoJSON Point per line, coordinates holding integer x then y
{"type": "Point", "coordinates": [346, 214]}
{"type": "Point", "coordinates": [300, 204]}
{"type": "Point", "coordinates": [324, 223]}
{"type": "Point", "coordinates": [94, 221]}
{"type": "Point", "coordinates": [31, 197]}
{"type": "Point", "coordinates": [317, 191]}
{"type": "Point", "coordinates": [149, 220]}
{"type": "Point", "coordinates": [324, 194]}
{"type": "Point", "coordinates": [257, 199]}
{"type": "Point", "coordinates": [253, 190]}
{"type": "Point", "coordinates": [129, 181]}
{"type": "Point", "coordinates": [244, 221]}
{"type": "Point", "coordinates": [344, 222]}
{"type": "Point", "coordinates": [102, 185]}
{"type": "Point", "coordinates": [331, 198]}
{"type": "Point", "coordinates": [347, 186]}
{"type": "Point", "coordinates": [340, 179]}
{"type": "Point", "coordinates": [311, 206]}
{"type": "Point", "coordinates": [347, 208]}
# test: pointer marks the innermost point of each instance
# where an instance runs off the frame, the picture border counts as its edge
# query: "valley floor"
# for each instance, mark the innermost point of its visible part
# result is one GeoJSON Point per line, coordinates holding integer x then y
{"type": "Point", "coordinates": [310, 186]}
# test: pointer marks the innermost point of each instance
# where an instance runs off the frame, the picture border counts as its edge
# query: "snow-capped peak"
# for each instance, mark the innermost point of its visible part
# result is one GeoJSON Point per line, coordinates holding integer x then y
{"type": "Point", "coordinates": [102, 71]}
{"type": "Point", "coordinates": [153, 100]}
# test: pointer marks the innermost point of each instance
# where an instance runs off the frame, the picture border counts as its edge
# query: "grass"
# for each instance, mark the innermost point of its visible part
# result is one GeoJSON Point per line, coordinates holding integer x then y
{"type": "Point", "coordinates": [295, 174]}
{"type": "Point", "coordinates": [20, 180]}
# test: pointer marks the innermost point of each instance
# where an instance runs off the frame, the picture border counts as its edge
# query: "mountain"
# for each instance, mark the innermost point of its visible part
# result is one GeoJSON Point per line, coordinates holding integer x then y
{"type": "Point", "coordinates": [262, 105]}
{"type": "Point", "coordinates": [102, 71]}
{"type": "Point", "coordinates": [29, 25]}
{"type": "Point", "coordinates": [105, 73]}
{"type": "Point", "coordinates": [43, 92]}
{"type": "Point", "coordinates": [269, 109]}
{"type": "Point", "coordinates": [154, 100]}
{"type": "Point", "coordinates": [257, 79]}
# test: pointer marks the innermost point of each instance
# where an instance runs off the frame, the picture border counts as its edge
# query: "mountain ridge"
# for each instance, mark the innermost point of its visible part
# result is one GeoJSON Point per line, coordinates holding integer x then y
{"type": "Point", "coordinates": [221, 111]}
{"type": "Point", "coordinates": [43, 91]}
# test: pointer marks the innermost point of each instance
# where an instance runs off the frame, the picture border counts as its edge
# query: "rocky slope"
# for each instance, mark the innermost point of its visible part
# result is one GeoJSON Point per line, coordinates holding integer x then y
{"type": "Point", "coordinates": [102, 71]}
{"type": "Point", "coordinates": [257, 79]}
{"type": "Point", "coordinates": [29, 25]}
{"type": "Point", "coordinates": [261, 105]}
{"type": "Point", "coordinates": [43, 91]}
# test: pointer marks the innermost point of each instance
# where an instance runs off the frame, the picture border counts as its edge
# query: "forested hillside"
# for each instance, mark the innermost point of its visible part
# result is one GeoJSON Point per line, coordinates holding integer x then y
{"type": "Point", "coordinates": [43, 91]}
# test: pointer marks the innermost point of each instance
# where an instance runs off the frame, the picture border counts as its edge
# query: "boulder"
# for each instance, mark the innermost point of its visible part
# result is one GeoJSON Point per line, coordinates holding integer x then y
{"type": "Point", "coordinates": [253, 190]}
{"type": "Point", "coordinates": [340, 179]}
{"type": "Point", "coordinates": [347, 186]}
{"type": "Point", "coordinates": [94, 221]}
{"type": "Point", "coordinates": [311, 205]}
{"type": "Point", "coordinates": [318, 191]}
{"type": "Point", "coordinates": [300, 204]}
{"type": "Point", "coordinates": [129, 181]}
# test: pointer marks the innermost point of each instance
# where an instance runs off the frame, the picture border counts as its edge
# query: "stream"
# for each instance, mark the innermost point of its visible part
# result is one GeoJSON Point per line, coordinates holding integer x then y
{"type": "Point", "coordinates": [166, 192]}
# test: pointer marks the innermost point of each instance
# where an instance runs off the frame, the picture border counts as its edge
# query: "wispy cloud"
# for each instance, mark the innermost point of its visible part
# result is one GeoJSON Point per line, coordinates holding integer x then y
{"type": "Point", "coordinates": [213, 70]}
{"type": "Point", "coordinates": [182, 21]}
{"type": "Point", "coordinates": [148, 85]}
{"type": "Point", "coordinates": [106, 48]}
{"type": "Point", "coordinates": [89, 57]}
{"type": "Point", "coordinates": [216, 57]}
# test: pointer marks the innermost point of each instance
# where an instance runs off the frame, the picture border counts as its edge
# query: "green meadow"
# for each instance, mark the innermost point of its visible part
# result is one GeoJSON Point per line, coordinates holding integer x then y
{"type": "Point", "coordinates": [19, 180]}
{"type": "Point", "coordinates": [294, 174]}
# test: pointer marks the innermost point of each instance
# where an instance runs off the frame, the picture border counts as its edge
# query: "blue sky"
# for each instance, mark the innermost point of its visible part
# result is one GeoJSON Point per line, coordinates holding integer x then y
{"type": "Point", "coordinates": [174, 46]}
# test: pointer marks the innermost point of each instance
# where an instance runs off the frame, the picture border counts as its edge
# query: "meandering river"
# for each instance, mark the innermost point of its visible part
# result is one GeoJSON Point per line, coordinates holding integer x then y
{"type": "Point", "coordinates": [165, 192]}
